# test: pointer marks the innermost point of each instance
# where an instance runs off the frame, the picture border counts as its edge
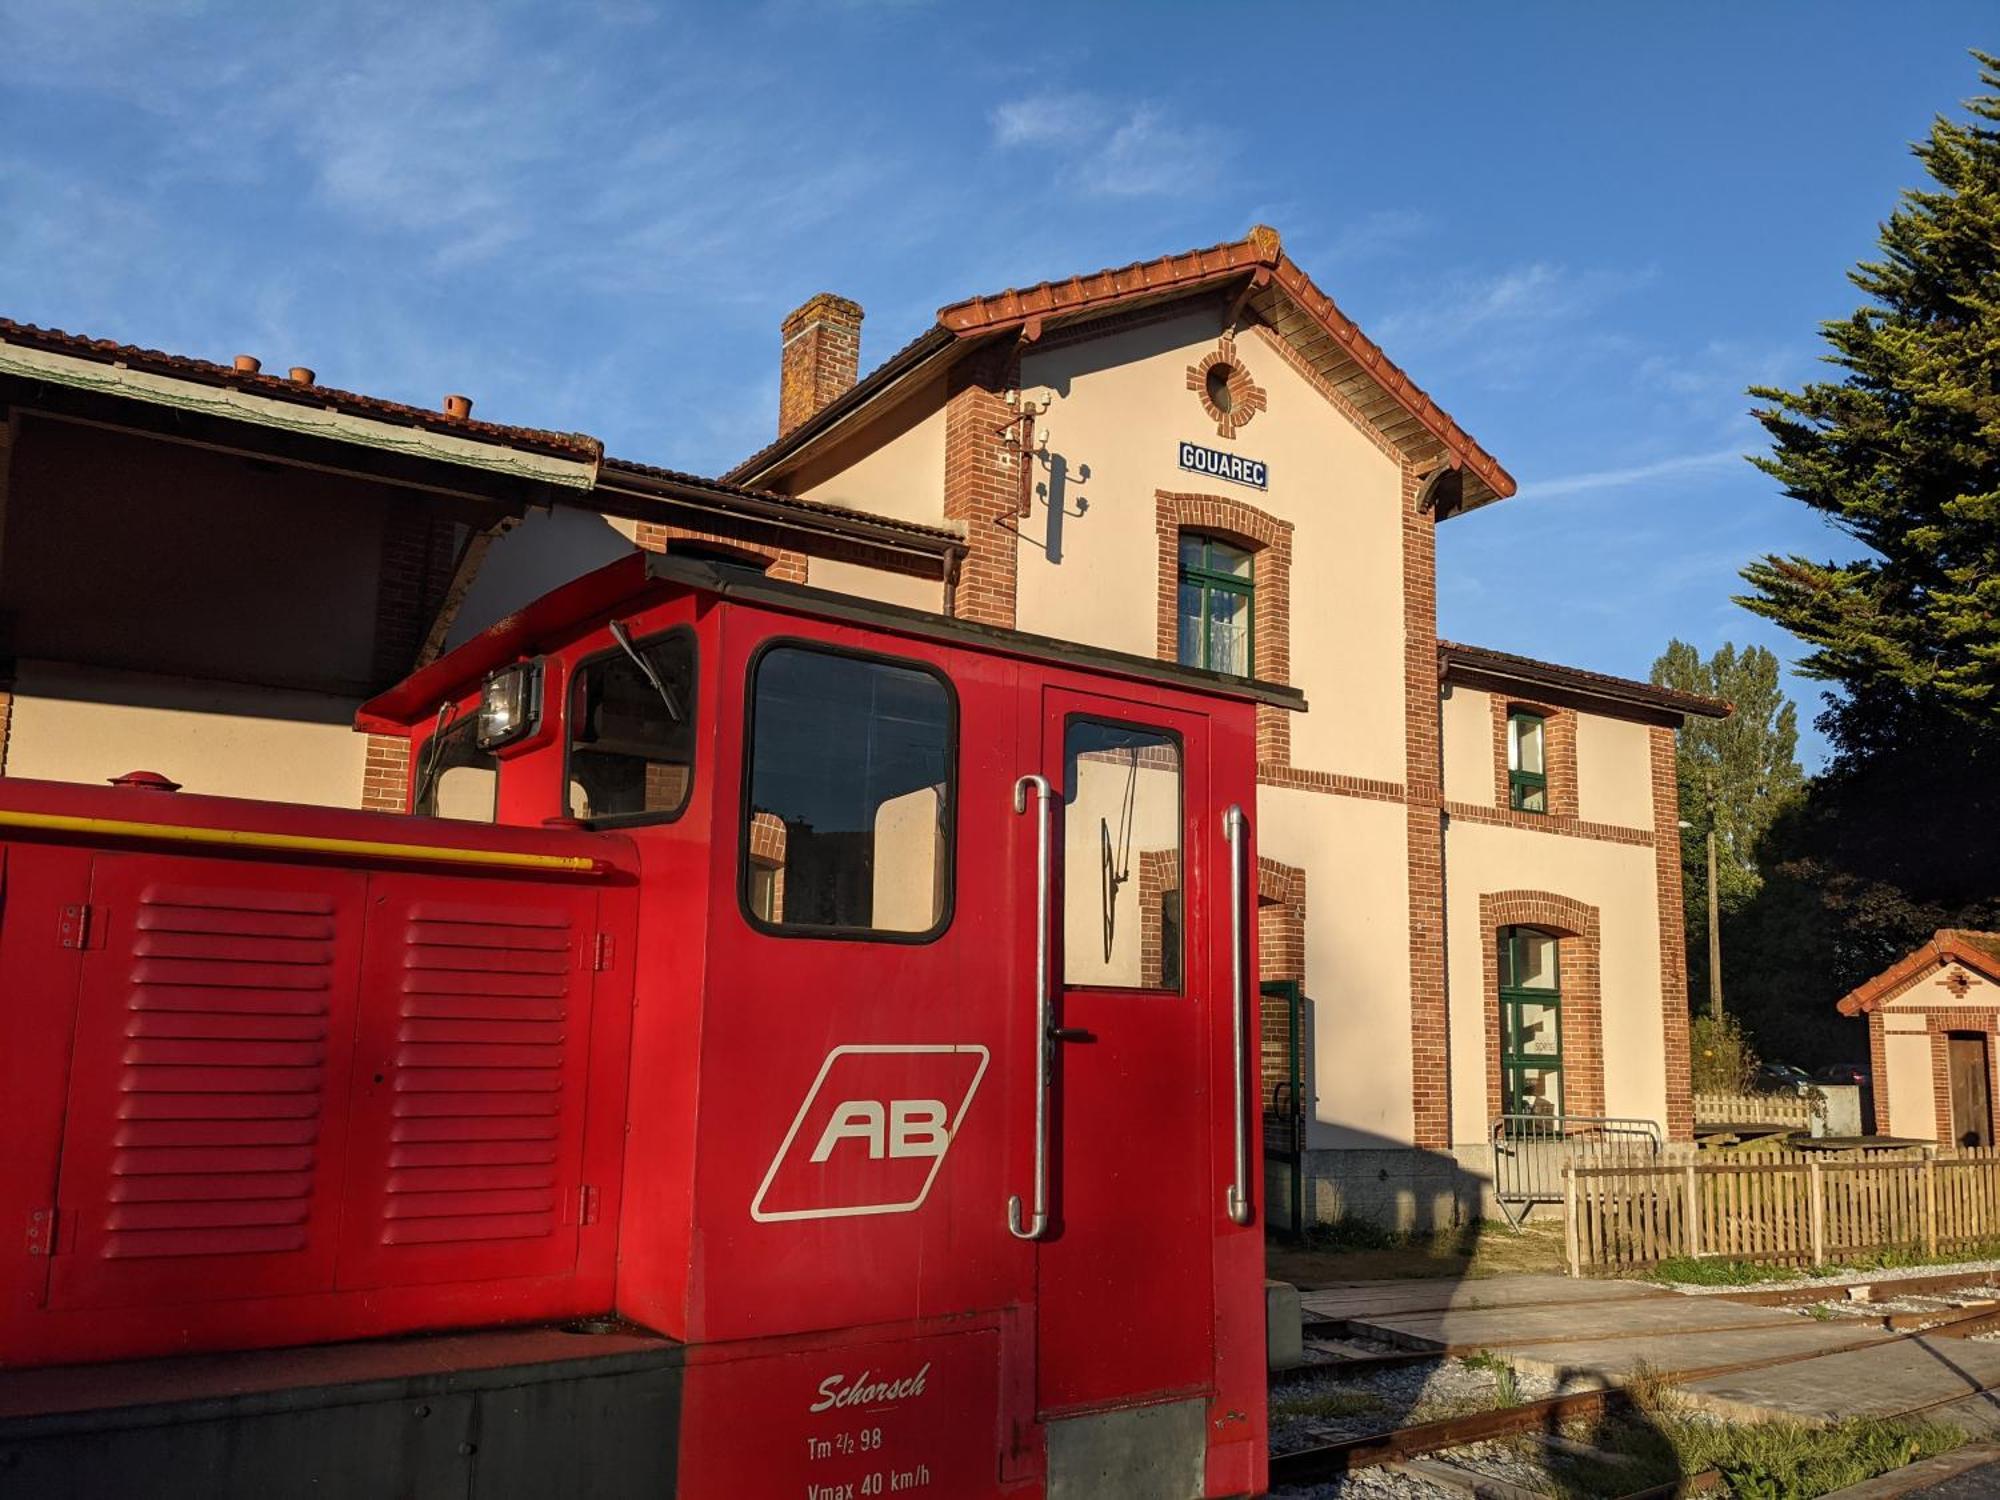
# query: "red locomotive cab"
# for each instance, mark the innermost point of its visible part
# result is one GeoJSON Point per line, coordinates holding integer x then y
{"type": "Point", "coordinates": [894, 1065]}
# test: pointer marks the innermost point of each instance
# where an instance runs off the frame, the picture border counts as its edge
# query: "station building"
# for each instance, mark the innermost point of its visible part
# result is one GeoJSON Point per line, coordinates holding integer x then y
{"type": "Point", "coordinates": [1469, 883]}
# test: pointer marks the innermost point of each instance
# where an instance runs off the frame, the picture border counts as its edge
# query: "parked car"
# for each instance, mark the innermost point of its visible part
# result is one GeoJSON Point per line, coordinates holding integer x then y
{"type": "Point", "coordinates": [1782, 1078]}
{"type": "Point", "coordinates": [1842, 1073]}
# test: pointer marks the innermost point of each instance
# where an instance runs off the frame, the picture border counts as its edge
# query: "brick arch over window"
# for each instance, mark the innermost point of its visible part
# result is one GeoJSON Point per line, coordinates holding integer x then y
{"type": "Point", "coordinates": [1558, 753]}
{"type": "Point", "coordinates": [1575, 926]}
{"type": "Point", "coordinates": [777, 563]}
{"type": "Point", "coordinates": [1270, 539]}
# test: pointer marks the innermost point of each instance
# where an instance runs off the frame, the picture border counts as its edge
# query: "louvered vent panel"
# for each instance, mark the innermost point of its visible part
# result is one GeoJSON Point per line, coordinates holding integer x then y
{"type": "Point", "coordinates": [223, 1072]}
{"type": "Point", "coordinates": [480, 1040]}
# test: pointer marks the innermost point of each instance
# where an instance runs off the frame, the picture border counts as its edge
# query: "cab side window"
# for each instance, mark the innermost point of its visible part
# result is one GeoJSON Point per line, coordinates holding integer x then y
{"type": "Point", "coordinates": [848, 823]}
{"type": "Point", "coordinates": [631, 732]}
{"type": "Point", "coordinates": [455, 778]}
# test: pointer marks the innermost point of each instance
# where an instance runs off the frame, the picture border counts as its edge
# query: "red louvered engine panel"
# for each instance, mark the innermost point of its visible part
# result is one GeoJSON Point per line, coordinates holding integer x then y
{"type": "Point", "coordinates": [469, 1088]}
{"type": "Point", "coordinates": [202, 1157]}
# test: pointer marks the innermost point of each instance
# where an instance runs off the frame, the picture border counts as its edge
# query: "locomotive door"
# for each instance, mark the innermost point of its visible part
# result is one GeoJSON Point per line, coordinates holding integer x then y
{"type": "Point", "coordinates": [1124, 1264]}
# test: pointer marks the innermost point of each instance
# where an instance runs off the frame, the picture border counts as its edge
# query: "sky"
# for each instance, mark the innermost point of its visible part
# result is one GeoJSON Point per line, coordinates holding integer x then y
{"type": "Point", "coordinates": [1584, 229]}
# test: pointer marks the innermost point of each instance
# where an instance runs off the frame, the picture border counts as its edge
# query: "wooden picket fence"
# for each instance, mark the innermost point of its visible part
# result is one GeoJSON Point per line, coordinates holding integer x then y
{"type": "Point", "coordinates": [1793, 1207]}
{"type": "Point", "coordinates": [1754, 1109]}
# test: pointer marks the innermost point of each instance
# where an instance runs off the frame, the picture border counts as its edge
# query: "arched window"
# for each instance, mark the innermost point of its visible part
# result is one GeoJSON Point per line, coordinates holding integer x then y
{"type": "Point", "coordinates": [1217, 591]}
{"type": "Point", "coordinates": [1531, 1056]}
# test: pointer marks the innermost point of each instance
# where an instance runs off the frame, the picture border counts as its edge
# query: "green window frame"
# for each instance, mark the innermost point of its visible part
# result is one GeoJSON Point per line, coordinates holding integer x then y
{"type": "Point", "coordinates": [1531, 1049]}
{"type": "Point", "coordinates": [1527, 761]}
{"type": "Point", "coordinates": [1218, 586]}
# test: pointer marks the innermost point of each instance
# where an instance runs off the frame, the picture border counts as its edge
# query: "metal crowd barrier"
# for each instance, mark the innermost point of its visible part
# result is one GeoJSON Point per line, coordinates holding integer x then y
{"type": "Point", "coordinates": [1530, 1151]}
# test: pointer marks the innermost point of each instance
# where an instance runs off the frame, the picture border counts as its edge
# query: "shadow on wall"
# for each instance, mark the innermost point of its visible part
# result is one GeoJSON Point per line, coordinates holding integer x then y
{"type": "Point", "coordinates": [543, 552]}
{"type": "Point", "coordinates": [1387, 1183]}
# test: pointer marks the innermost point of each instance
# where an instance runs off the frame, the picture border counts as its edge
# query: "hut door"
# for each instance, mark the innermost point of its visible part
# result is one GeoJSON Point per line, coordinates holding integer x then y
{"type": "Point", "coordinates": [1971, 1095]}
{"type": "Point", "coordinates": [1124, 1269]}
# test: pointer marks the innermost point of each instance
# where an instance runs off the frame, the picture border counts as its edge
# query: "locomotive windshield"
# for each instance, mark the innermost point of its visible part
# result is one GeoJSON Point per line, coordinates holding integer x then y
{"type": "Point", "coordinates": [631, 731]}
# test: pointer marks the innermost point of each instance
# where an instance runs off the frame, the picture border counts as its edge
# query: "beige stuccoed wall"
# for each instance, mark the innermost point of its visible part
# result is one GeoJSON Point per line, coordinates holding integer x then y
{"type": "Point", "coordinates": [1935, 991]}
{"type": "Point", "coordinates": [874, 583]}
{"type": "Point", "coordinates": [1468, 745]}
{"type": "Point", "coordinates": [1357, 959]}
{"type": "Point", "coordinates": [1618, 879]}
{"type": "Point", "coordinates": [1614, 771]}
{"type": "Point", "coordinates": [1120, 409]}
{"type": "Point", "coordinates": [896, 470]}
{"type": "Point", "coordinates": [75, 724]}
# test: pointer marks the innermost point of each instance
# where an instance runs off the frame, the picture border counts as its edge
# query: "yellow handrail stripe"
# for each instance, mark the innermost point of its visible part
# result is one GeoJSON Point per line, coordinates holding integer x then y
{"type": "Point", "coordinates": [238, 838]}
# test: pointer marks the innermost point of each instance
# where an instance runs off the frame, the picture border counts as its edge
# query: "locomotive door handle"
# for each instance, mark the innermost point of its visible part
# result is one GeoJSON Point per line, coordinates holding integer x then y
{"type": "Point", "coordinates": [1235, 829]}
{"type": "Point", "coordinates": [1036, 1222]}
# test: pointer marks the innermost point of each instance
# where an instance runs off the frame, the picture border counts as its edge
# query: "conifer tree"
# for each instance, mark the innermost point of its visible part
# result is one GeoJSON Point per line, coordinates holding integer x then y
{"type": "Point", "coordinates": [1903, 451]}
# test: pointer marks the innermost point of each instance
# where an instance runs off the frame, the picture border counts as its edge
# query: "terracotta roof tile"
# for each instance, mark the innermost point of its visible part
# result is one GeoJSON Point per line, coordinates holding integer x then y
{"type": "Point", "coordinates": [571, 445]}
{"type": "Point", "coordinates": [1978, 951]}
{"type": "Point", "coordinates": [1258, 255]}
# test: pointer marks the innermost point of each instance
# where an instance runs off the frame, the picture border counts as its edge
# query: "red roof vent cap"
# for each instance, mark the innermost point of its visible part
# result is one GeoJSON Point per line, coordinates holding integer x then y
{"type": "Point", "coordinates": [248, 364]}
{"type": "Point", "coordinates": [458, 407]}
{"type": "Point", "coordinates": [146, 781]}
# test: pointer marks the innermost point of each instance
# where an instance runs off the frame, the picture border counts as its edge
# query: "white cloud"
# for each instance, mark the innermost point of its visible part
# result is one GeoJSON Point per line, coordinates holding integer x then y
{"type": "Point", "coordinates": [1126, 151]}
{"type": "Point", "coordinates": [1637, 474]}
{"type": "Point", "coordinates": [1539, 293]}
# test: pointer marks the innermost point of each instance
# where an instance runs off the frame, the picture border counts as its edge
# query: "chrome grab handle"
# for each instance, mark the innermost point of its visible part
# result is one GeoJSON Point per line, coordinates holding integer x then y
{"type": "Point", "coordinates": [1038, 1222]}
{"type": "Point", "coordinates": [1234, 828]}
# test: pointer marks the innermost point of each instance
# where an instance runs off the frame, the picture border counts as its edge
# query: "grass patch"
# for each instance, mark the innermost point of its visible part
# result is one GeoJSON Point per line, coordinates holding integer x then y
{"type": "Point", "coordinates": [1790, 1461]}
{"type": "Point", "coordinates": [1335, 1403]}
{"type": "Point", "coordinates": [1357, 1250]}
{"type": "Point", "coordinates": [1687, 1270]}
{"type": "Point", "coordinates": [1661, 1441]}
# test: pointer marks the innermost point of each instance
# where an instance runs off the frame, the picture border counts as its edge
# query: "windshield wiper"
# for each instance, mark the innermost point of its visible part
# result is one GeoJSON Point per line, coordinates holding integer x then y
{"type": "Point", "coordinates": [624, 639]}
{"type": "Point", "coordinates": [433, 753]}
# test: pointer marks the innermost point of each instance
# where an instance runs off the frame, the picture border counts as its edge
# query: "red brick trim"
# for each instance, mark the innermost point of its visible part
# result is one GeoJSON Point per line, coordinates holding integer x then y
{"type": "Point", "coordinates": [1335, 783]}
{"type": "Point", "coordinates": [1558, 754]}
{"type": "Point", "coordinates": [1159, 873]}
{"type": "Point", "coordinates": [1938, 1022]}
{"type": "Point", "coordinates": [1577, 968]}
{"type": "Point", "coordinates": [1246, 397]}
{"type": "Point", "coordinates": [788, 567]}
{"type": "Point", "coordinates": [982, 481]}
{"type": "Point", "coordinates": [1979, 952]}
{"type": "Point", "coordinates": [1673, 941]}
{"type": "Point", "coordinates": [1430, 1044]}
{"type": "Point", "coordinates": [767, 848]}
{"type": "Point", "coordinates": [1271, 540]}
{"type": "Point", "coordinates": [419, 558]}
{"type": "Point", "coordinates": [1281, 954]}
{"type": "Point", "coordinates": [1878, 1072]}
{"type": "Point", "coordinates": [385, 776]}
{"type": "Point", "coordinates": [1575, 828]}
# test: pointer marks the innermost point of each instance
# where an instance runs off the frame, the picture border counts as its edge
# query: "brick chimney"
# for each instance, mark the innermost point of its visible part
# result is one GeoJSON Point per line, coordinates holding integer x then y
{"type": "Point", "coordinates": [821, 358]}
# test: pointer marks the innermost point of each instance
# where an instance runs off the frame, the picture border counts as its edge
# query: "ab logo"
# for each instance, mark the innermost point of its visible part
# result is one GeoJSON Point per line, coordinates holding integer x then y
{"type": "Point", "coordinates": [872, 1133]}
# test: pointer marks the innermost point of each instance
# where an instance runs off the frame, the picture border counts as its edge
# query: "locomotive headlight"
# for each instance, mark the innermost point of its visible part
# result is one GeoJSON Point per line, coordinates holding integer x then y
{"type": "Point", "coordinates": [510, 704]}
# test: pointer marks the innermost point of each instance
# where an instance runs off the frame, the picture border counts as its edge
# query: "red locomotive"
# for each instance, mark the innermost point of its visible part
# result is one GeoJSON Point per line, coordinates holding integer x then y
{"type": "Point", "coordinates": [854, 1002]}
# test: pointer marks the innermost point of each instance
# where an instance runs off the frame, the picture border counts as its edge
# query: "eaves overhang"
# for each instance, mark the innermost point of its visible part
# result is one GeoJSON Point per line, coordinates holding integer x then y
{"type": "Point", "coordinates": [49, 357]}
{"type": "Point", "coordinates": [1479, 666]}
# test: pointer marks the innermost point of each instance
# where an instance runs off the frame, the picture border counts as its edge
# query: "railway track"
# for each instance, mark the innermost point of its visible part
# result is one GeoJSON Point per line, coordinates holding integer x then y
{"type": "Point", "coordinates": [1407, 1448]}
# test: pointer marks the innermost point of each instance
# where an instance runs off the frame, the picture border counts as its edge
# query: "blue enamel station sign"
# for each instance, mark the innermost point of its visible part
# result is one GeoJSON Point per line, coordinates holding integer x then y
{"type": "Point", "coordinates": [1219, 465]}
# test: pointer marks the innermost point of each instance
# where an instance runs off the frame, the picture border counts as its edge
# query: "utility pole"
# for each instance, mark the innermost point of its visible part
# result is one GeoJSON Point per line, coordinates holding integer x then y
{"type": "Point", "coordinates": [1714, 915]}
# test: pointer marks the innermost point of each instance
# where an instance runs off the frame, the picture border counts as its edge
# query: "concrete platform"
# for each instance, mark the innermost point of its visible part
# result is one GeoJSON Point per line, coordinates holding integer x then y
{"type": "Point", "coordinates": [1898, 1377]}
{"type": "Point", "coordinates": [1515, 1325]}
{"type": "Point", "coordinates": [1355, 1299]}
{"type": "Point", "coordinates": [1590, 1333]}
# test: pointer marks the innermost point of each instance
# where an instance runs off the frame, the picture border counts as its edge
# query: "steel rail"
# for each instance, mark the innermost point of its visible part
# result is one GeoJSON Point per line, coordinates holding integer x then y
{"type": "Point", "coordinates": [1329, 1460]}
